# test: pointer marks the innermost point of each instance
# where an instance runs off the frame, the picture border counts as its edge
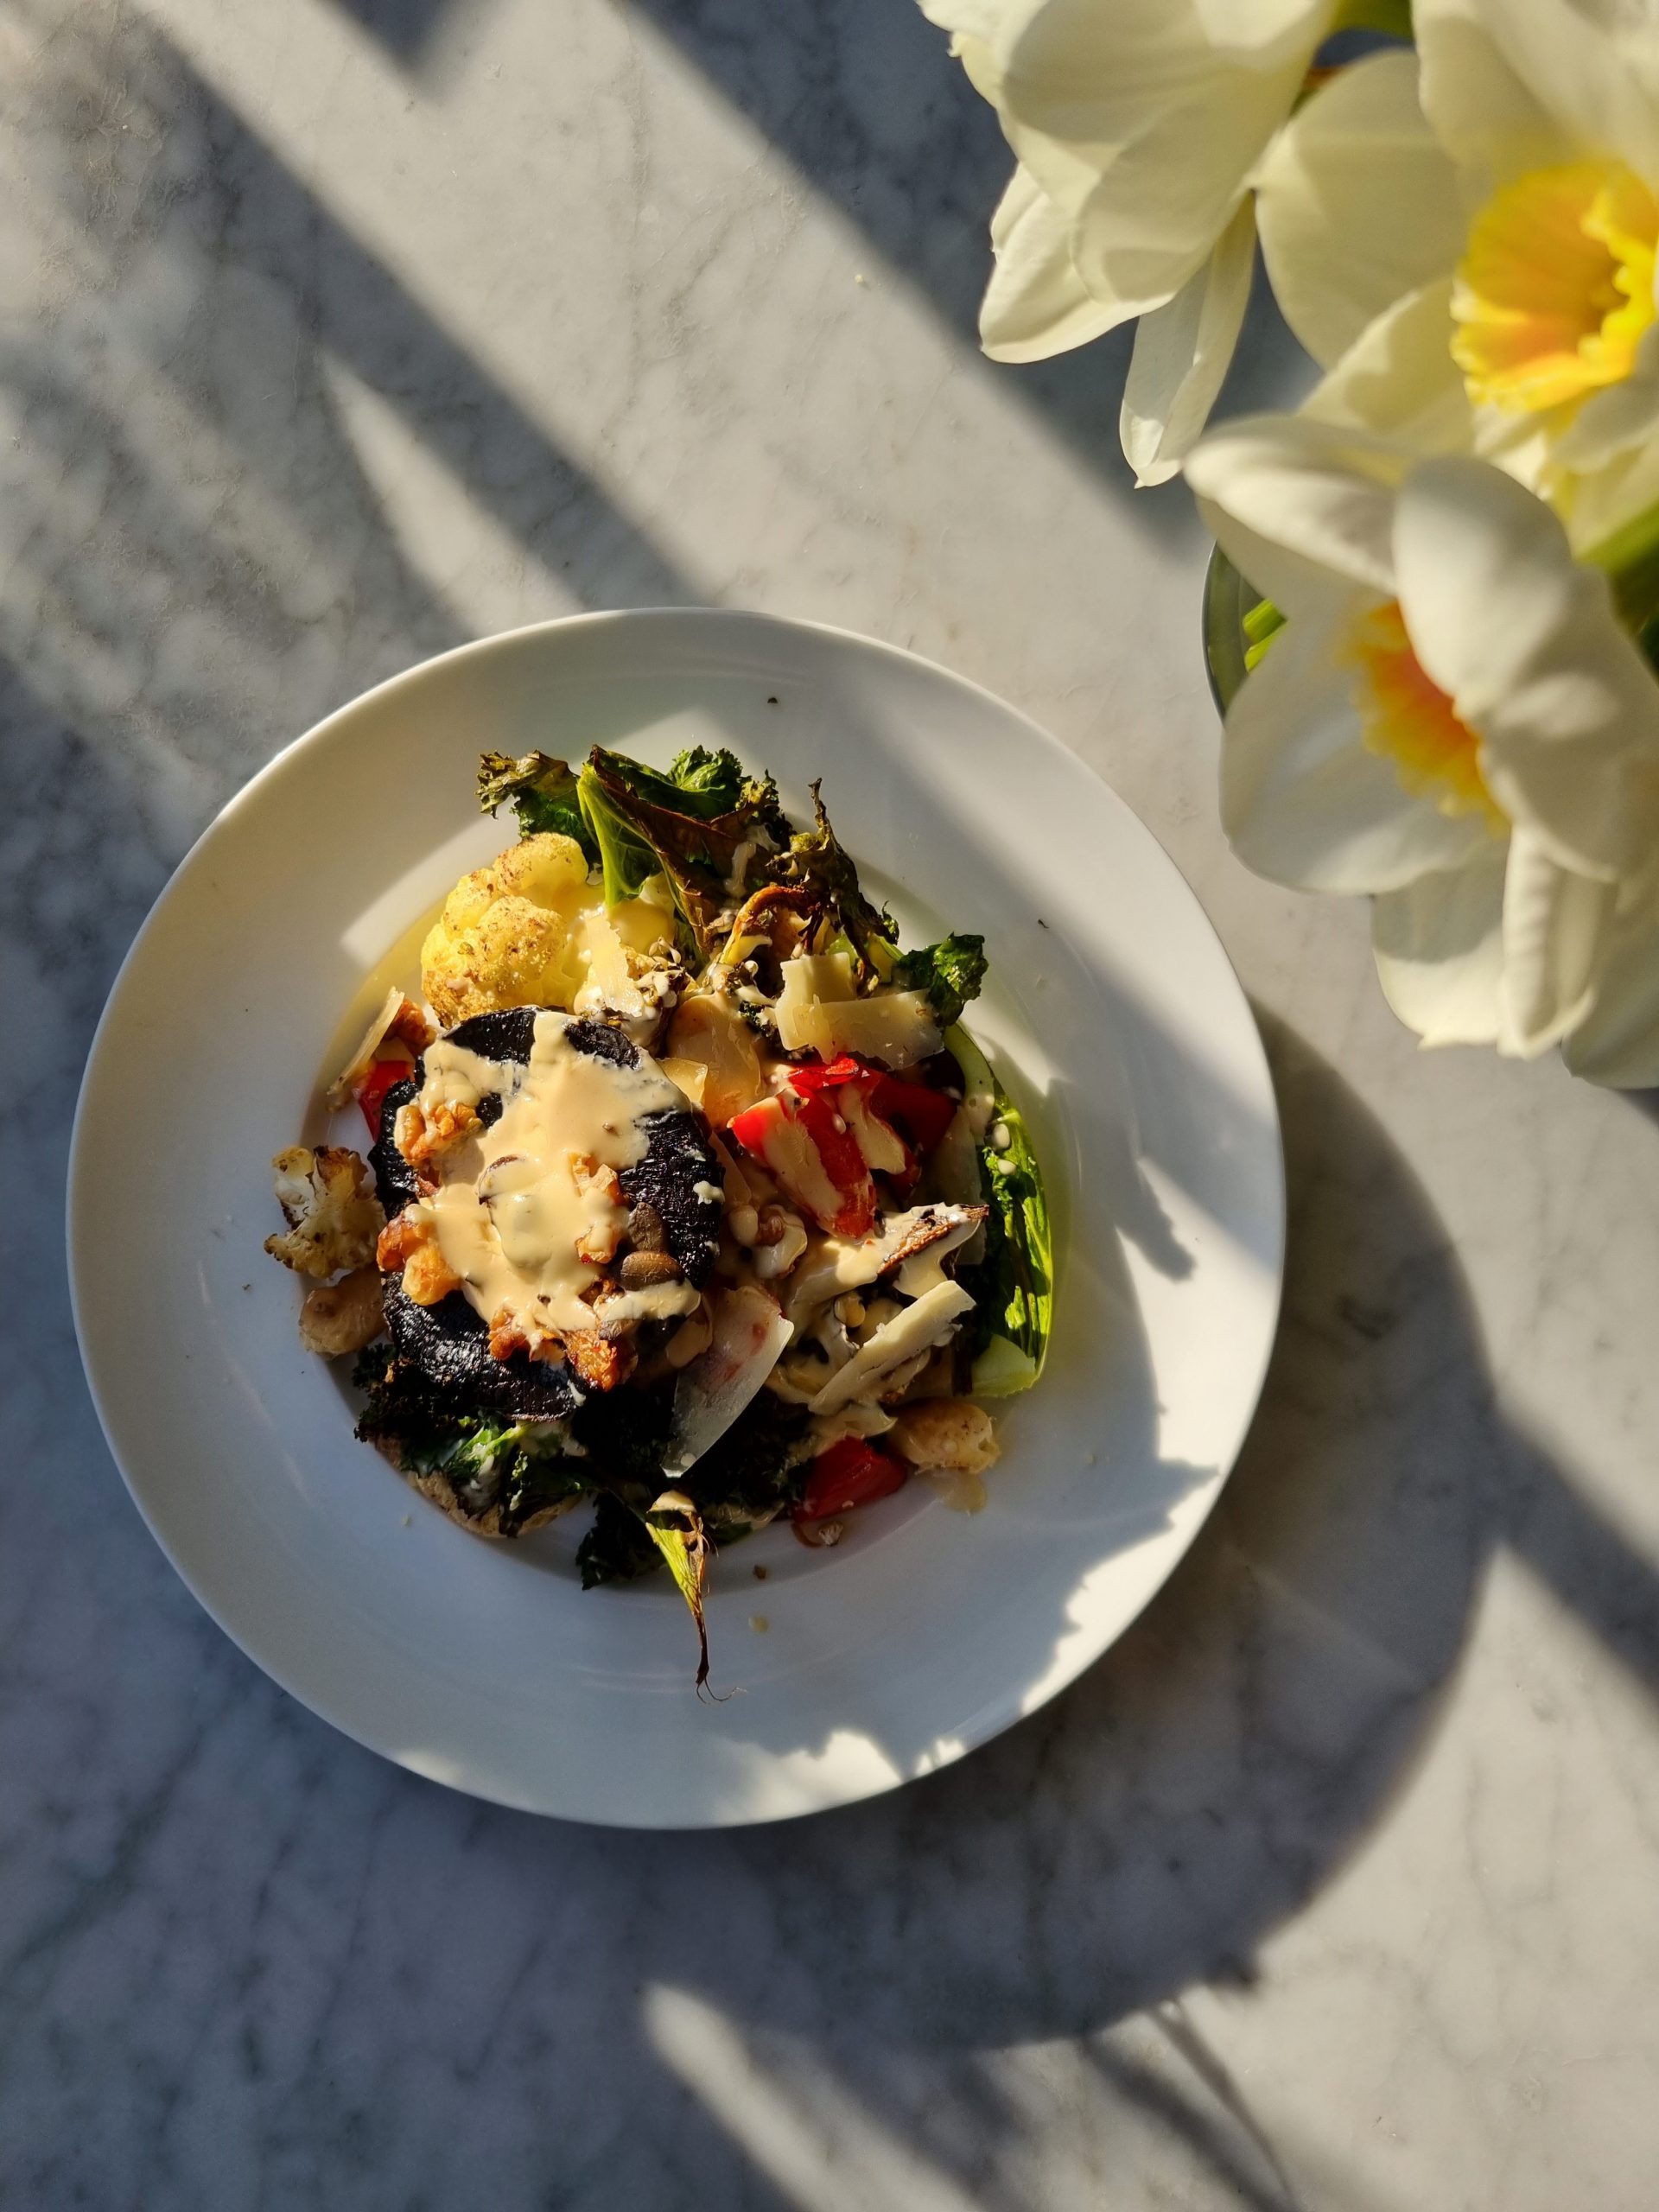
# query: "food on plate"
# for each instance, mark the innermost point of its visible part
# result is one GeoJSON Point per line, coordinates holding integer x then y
{"type": "Point", "coordinates": [686, 1196]}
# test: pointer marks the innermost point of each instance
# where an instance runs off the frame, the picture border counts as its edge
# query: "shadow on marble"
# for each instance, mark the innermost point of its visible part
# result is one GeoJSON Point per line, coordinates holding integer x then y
{"type": "Point", "coordinates": [865, 101]}
{"type": "Point", "coordinates": [204, 563]}
{"type": "Point", "coordinates": [226, 1924]}
{"type": "Point", "coordinates": [404, 27]}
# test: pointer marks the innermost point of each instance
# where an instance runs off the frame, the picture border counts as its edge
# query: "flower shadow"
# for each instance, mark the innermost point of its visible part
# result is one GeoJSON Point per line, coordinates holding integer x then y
{"type": "Point", "coordinates": [1152, 1827]}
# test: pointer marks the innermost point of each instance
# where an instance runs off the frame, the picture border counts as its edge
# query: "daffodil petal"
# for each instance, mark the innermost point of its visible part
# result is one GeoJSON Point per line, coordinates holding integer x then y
{"type": "Point", "coordinates": [1623, 415]}
{"type": "Point", "coordinates": [1035, 303]}
{"type": "Point", "coordinates": [1139, 126]}
{"type": "Point", "coordinates": [986, 21]}
{"type": "Point", "coordinates": [1487, 119]}
{"type": "Point", "coordinates": [1511, 87]}
{"type": "Point", "coordinates": [1322, 494]}
{"type": "Point", "coordinates": [1595, 505]}
{"type": "Point", "coordinates": [1617, 1042]}
{"type": "Point", "coordinates": [1438, 948]}
{"type": "Point", "coordinates": [1264, 34]}
{"type": "Point", "coordinates": [1295, 586]}
{"type": "Point", "coordinates": [1181, 355]}
{"type": "Point", "coordinates": [1357, 204]}
{"type": "Point", "coordinates": [1398, 378]}
{"type": "Point", "coordinates": [1525, 641]}
{"type": "Point", "coordinates": [1302, 800]}
{"type": "Point", "coordinates": [1555, 930]}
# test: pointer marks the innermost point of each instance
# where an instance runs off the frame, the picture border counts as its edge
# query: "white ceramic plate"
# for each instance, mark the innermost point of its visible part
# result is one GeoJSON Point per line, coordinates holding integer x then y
{"type": "Point", "coordinates": [1116, 1020]}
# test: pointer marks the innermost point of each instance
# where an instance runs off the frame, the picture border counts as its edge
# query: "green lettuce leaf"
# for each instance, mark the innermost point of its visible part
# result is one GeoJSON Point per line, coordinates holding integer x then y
{"type": "Point", "coordinates": [1013, 1282]}
{"type": "Point", "coordinates": [703, 826]}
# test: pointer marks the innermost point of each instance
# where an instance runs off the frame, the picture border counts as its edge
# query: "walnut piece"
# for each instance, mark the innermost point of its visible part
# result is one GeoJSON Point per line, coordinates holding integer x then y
{"type": "Point", "coordinates": [344, 1316]}
{"type": "Point", "coordinates": [599, 1361]}
{"type": "Point", "coordinates": [328, 1202]}
{"type": "Point", "coordinates": [423, 1136]}
{"type": "Point", "coordinates": [949, 1434]}
{"type": "Point", "coordinates": [411, 1243]}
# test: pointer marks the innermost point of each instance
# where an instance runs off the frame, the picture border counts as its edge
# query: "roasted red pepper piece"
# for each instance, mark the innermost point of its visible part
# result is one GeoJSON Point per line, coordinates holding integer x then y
{"type": "Point", "coordinates": [371, 1091]}
{"type": "Point", "coordinates": [846, 1474]}
{"type": "Point", "coordinates": [844, 1070]}
{"type": "Point", "coordinates": [806, 1144]}
{"type": "Point", "coordinates": [920, 1113]}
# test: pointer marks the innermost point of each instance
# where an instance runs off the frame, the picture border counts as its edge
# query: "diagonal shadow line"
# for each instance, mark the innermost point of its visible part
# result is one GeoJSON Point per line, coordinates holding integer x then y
{"type": "Point", "coordinates": [260, 218]}
{"type": "Point", "coordinates": [1594, 1570]}
{"type": "Point", "coordinates": [404, 27]}
{"type": "Point", "coordinates": [1198, 2132]}
{"type": "Point", "coordinates": [866, 102]}
{"type": "Point", "coordinates": [1176, 2027]}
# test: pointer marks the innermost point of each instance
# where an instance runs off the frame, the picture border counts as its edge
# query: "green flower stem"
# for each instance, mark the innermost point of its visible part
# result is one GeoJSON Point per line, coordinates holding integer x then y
{"type": "Point", "coordinates": [1391, 19]}
{"type": "Point", "coordinates": [1630, 561]}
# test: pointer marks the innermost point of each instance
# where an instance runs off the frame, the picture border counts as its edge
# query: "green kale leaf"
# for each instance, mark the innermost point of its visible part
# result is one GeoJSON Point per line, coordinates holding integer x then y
{"type": "Point", "coordinates": [751, 1471]}
{"type": "Point", "coordinates": [514, 1467]}
{"type": "Point", "coordinates": [618, 1547]}
{"type": "Point", "coordinates": [951, 972]}
{"type": "Point", "coordinates": [709, 830]}
{"type": "Point", "coordinates": [817, 861]}
{"type": "Point", "coordinates": [676, 1528]}
{"type": "Point", "coordinates": [544, 795]}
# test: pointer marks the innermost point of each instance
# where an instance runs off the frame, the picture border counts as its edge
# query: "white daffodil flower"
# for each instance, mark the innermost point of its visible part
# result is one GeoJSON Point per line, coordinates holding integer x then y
{"type": "Point", "coordinates": [1468, 247]}
{"type": "Point", "coordinates": [1137, 125]}
{"type": "Point", "coordinates": [1451, 721]}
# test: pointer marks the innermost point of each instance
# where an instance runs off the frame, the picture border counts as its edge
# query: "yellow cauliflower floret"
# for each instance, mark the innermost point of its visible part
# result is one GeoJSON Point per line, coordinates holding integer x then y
{"type": "Point", "coordinates": [327, 1200]}
{"type": "Point", "coordinates": [507, 936]}
{"type": "Point", "coordinates": [948, 1433]}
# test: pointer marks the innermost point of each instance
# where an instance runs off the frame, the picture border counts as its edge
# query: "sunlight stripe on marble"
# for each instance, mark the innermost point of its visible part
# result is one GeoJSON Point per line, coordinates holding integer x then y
{"type": "Point", "coordinates": [483, 573]}
{"type": "Point", "coordinates": [317, 89]}
{"type": "Point", "coordinates": [822, 2151]}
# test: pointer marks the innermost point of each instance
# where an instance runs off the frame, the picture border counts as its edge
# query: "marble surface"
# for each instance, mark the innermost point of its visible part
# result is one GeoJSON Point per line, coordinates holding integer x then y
{"type": "Point", "coordinates": [337, 333]}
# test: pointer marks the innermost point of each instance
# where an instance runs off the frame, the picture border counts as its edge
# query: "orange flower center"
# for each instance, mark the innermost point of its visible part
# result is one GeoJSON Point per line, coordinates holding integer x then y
{"type": "Point", "coordinates": [1409, 722]}
{"type": "Point", "coordinates": [1556, 287]}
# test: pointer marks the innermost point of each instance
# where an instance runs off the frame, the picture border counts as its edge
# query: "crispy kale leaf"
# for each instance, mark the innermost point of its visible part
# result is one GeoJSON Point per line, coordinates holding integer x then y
{"type": "Point", "coordinates": [543, 792]}
{"type": "Point", "coordinates": [951, 972]}
{"type": "Point", "coordinates": [707, 828]}
{"type": "Point", "coordinates": [743, 1479]}
{"type": "Point", "coordinates": [619, 1547]}
{"type": "Point", "coordinates": [817, 861]}
{"type": "Point", "coordinates": [747, 1474]}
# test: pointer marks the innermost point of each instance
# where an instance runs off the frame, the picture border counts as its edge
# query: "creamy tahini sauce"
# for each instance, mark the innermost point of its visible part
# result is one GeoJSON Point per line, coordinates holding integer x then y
{"type": "Point", "coordinates": [518, 1198]}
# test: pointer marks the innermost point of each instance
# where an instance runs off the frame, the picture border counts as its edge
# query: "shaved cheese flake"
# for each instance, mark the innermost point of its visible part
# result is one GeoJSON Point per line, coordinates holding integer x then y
{"type": "Point", "coordinates": [916, 1329]}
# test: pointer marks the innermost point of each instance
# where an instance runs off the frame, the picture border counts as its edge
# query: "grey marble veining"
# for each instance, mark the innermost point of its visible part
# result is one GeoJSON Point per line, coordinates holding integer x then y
{"type": "Point", "coordinates": [334, 334]}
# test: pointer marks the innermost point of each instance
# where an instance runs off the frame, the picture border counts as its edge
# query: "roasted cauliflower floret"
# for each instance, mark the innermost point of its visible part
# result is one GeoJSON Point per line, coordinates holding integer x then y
{"type": "Point", "coordinates": [327, 1200]}
{"type": "Point", "coordinates": [508, 935]}
{"type": "Point", "coordinates": [344, 1316]}
{"type": "Point", "coordinates": [947, 1433]}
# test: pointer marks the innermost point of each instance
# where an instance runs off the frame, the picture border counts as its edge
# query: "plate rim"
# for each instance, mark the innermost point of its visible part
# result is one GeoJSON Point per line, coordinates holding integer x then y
{"type": "Point", "coordinates": [715, 618]}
